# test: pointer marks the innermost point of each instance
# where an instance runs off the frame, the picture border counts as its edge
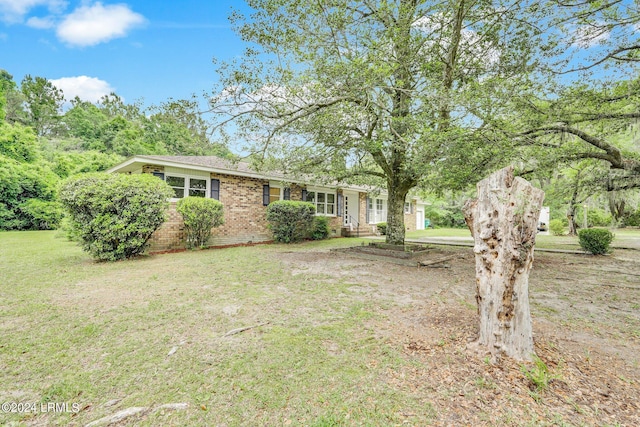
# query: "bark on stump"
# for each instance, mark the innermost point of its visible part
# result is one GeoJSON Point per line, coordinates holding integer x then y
{"type": "Point", "coordinates": [503, 221]}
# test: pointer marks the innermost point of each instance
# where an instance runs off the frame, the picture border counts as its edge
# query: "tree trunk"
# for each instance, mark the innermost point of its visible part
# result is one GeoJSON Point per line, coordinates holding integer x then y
{"type": "Point", "coordinates": [503, 221]}
{"type": "Point", "coordinates": [395, 215]}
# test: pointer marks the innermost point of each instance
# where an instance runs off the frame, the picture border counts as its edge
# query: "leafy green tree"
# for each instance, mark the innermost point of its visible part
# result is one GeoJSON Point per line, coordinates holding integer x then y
{"type": "Point", "coordinates": [177, 127]}
{"type": "Point", "coordinates": [11, 100]}
{"type": "Point", "coordinates": [43, 103]}
{"type": "Point", "coordinates": [389, 90]}
{"type": "Point", "coordinates": [85, 121]}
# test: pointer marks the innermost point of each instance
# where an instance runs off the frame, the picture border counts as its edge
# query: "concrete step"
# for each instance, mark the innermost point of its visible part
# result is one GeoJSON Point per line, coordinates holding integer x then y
{"type": "Point", "coordinates": [365, 231]}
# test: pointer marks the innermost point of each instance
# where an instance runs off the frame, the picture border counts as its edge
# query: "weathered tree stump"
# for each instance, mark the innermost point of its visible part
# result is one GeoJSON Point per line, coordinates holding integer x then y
{"type": "Point", "coordinates": [503, 221]}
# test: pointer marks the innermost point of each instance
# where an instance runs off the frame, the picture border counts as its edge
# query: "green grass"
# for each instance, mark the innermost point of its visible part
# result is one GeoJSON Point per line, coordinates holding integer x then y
{"type": "Point", "coordinates": [77, 331]}
{"type": "Point", "coordinates": [627, 237]}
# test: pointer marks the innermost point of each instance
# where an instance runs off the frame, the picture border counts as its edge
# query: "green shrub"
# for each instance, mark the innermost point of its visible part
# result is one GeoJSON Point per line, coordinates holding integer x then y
{"type": "Point", "coordinates": [598, 218]}
{"type": "Point", "coordinates": [290, 221]}
{"type": "Point", "coordinates": [382, 228]}
{"type": "Point", "coordinates": [632, 219]}
{"type": "Point", "coordinates": [556, 227]}
{"type": "Point", "coordinates": [320, 228]}
{"type": "Point", "coordinates": [115, 214]}
{"type": "Point", "coordinates": [595, 240]}
{"type": "Point", "coordinates": [200, 215]}
{"type": "Point", "coordinates": [41, 214]}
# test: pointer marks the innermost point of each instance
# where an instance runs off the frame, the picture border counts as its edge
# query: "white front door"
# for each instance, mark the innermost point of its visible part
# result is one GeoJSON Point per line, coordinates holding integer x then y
{"type": "Point", "coordinates": [419, 220]}
{"type": "Point", "coordinates": [350, 216]}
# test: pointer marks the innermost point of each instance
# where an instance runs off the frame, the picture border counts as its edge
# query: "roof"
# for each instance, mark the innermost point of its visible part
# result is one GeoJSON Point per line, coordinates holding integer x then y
{"type": "Point", "coordinates": [216, 165]}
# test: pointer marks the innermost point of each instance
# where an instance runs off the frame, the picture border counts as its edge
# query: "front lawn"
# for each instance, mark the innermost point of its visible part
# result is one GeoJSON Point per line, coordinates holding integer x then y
{"type": "Point", "coordinates": [297, 335]}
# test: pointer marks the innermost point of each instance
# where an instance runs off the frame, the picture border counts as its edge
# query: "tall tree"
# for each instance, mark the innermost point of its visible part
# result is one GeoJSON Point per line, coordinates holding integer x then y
{"type": "Point", "coordinates": [385, 89]}
{"type": "Point", "coordinates": [43, 103]}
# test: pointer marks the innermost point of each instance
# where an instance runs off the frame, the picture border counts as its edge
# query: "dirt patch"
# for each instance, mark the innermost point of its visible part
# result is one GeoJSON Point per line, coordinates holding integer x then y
{"type": "Point", "coordinates": [586, 330]}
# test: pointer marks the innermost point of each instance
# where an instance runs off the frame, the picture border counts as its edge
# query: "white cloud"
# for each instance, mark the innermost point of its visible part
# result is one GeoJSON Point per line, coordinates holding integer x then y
{"type": "Point", "coordinates": [13, 11]}
{"type": "Point", "coordinates": [41, 23]}
{"type": "Point", "coordinates": [86, 88]}
{"type": "Point", "coordinates": [92, 24]}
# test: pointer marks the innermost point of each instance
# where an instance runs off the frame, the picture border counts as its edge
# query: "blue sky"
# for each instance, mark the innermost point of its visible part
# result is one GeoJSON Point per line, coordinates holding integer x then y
{"type": "Point", "coordinates": [149, 50]}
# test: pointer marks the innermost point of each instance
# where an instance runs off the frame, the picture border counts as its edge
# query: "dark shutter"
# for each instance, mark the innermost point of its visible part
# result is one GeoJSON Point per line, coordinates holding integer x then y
{"type": "Point", "coordinates": [304, 195]}
{"type": "Point", "coordinates": [265, 195]}
{"type": "Point", "coordinates": [367, 209]}
{"type": "Point", "coordinates": [159, 175]}
{"type": "Point", "coordinates": [287, 194]}
{"type": "Point", "coordinates": [340, 204]}
{"type": "Point", "coordinates": [215, 189]}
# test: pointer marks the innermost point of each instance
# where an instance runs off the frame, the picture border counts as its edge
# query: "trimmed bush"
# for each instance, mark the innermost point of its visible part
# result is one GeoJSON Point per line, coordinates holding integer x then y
{"type": "Point", "coordinates": [382, 228]}
{"type": "Point", "coordinates": [320, 228]}
{"type": "Point", "coordinates": [200, 215]}
{"type": "Point", "coordinates": [595, 240]}
{"type": "Point", "coordinates": [115, 214]}
{"type": "Point", "coordinates": [290, 221]}
{"type": "Point", "coordinates": [556, 227]}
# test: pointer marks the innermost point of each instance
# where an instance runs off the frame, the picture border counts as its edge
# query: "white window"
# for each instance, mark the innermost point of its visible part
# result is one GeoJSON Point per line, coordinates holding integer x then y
{"type": "Point", "coordinates": [325, 202]}
{"type": "Point", "coordinates": [407, 207]}
{"type": "Point", "coordinates": [184, 185]}
{"type": "Point", "coordinates": [377, 209]}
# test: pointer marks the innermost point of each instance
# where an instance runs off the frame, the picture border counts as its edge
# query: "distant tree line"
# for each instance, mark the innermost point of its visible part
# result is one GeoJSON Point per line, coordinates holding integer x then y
{"type": "Point", "coordinates": [45, 138]}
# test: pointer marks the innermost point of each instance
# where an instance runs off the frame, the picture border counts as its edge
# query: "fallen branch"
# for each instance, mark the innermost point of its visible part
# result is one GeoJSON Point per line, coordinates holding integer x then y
{"type": "Point", "coordinates": [433, 262]}
{"type": "Point", "coordinates": [245, 328]}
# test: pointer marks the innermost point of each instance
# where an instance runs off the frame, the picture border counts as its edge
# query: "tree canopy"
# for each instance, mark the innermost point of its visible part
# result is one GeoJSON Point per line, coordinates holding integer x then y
{"type": "Point", "coordinates": [398, 91]}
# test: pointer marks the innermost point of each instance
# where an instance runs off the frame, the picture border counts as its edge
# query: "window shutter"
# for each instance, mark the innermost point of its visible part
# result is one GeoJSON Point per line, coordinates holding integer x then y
{"type": "Point", "coordinates": [159, 175]}
{"type": "Point", "coordinates": [411, 207]}
{"type": "Point", "coordinates": [287, 194]}
{"type": "Point", "coordinates": [265, 195]}
{"type": "Point", "coordinates": [367, 210]}
{"type": "Point", "coordinates": [215, 189]}
{"type": "Point", "coordinates": [304, 195]}
{"type": "Point", "coordinates": [340, 204]}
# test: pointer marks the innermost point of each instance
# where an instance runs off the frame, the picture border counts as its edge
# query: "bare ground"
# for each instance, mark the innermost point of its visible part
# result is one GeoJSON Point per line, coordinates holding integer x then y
{"type": "Point", "coordinates": [586, 313]}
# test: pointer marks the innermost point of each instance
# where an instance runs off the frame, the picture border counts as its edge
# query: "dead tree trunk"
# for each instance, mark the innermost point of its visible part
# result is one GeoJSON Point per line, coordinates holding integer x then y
{"type": "Point", "coordinates": [503, 221]}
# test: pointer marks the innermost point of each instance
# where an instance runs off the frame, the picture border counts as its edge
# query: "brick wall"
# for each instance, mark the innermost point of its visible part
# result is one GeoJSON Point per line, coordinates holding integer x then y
{"type": "Point", "coordinates": [170, 235]}
{"type": "Point", "coordinates": [410, 219]}
{"type": "Point", "coordinates": [244, 214]}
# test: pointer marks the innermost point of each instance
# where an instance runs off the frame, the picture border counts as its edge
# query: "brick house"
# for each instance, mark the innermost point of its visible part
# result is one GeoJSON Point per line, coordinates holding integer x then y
{"type": "Point", "coordinates": [245, 193]}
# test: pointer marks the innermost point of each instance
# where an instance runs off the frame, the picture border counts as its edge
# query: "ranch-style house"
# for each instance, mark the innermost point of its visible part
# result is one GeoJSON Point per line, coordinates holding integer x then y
{"type": "Point", "coordinates": [245, 194]}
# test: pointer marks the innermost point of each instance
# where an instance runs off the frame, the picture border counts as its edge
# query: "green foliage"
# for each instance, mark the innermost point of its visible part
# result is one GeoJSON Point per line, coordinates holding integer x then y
{"type": "Point", "coordinates": [290, 221]}
{"type": "Point", "coordinates": [320, 228]}
{"type": "Point", "coordinates": [556, 226]}
{"type": "Point", "coordinates": [116, 214]}
{"type": "Point", "coordinates": [598, 218]}
{"type": "Point", "coordinates": [43, 102]}
{"type": "Point", "coordinates": [200, 215]}
{"type": "Point", "coordinates": [382, 228]}
{"type": "Point", "coordinates": [20, 182]}
{"type": "Point", "coordinates": [445, 216]}
{"type": "Point", "coordinates": [632, 219]}
{"type": "Point", "coordinates": [41, 215]}
{"type": "Point", "coordinates": [539, 375]}
{"type": "Point", "coordinates": [595, 240]}
{"type": "Point", "coordinates": [18, 142]}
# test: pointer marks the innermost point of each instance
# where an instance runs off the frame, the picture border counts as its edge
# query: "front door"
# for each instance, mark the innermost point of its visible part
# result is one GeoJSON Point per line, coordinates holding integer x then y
{"type": "Point", "coordinates": [350, 217]}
